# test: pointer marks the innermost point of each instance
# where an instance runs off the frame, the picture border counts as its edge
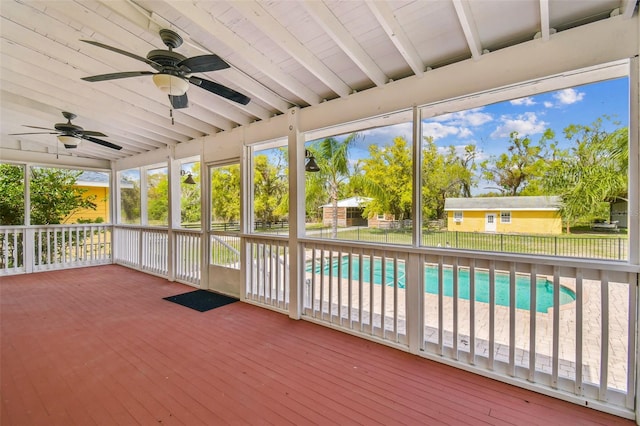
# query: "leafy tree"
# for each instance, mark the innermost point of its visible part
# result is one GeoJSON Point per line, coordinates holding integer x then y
{"type": "Point", "coordinates": [158, 197]}
{"type": "Point", "coordinates": [332, 156]}
{"type": "Point", "coordinates": [225, 194]}
{"type": "Point", "coordinates": [270, 189]}
{"type": "Point", "coordinates": [591, 172]}
{"type": "Point", "coordinates": [518, 171]}
{"type": "Point", "coordinates": [462, 169]}
{"type": "Point", "coordinates": [190, 198]}
{"type": "Point", "coordinates": [130, 200]}
{"type": "Point", "coordinates": [54, 195]}
{"type": "Point", "coordinates": [12, 190]}
{"type": "Point", "coordinates": [388, 170]}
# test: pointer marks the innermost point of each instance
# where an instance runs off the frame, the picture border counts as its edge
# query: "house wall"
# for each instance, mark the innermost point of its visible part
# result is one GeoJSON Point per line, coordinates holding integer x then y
{"type": "Point", "coordinates": [375, 222]}
{"type": "Point", "coordinates": [327, 216]}
{"type": "Point", "coordinates": [522, 222]}
{"type": "Point", "coordinates": [102, 206]}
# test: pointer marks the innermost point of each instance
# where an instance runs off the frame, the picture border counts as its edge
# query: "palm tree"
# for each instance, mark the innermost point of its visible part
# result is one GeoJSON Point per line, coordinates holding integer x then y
{"type": "Point", "coordinates": [332, 156]}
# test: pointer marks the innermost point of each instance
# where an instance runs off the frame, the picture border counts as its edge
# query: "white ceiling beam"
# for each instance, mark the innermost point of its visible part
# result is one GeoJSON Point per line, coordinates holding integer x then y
{"type": "Point", "coordinates": [392, 27]}
{"type": "Point", "coordinates": [628, 6]}
{"type": "Point", "coordinates": [53, 159]}
{"type": "Point", "coordinates": [465, 17]}
{"type": "Point", "coordinates": [268, 25]}
{"type": "Point", "coordinates": [545, 30]}
{"type": "Point", "coordinates": [207, 23]}
{"type": "Point", "coordinates": [334, 28]}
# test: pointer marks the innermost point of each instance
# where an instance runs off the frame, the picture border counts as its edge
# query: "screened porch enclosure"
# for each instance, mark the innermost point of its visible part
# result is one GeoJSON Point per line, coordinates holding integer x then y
{"type": "Point", "coordinates": [554, 315]}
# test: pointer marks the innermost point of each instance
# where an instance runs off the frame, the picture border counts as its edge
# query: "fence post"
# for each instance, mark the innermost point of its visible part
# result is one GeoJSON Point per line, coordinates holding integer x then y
{"type": "Point", "coordinates": [619, 248]}
{"type": "Point", "coordinates": [555, 245]}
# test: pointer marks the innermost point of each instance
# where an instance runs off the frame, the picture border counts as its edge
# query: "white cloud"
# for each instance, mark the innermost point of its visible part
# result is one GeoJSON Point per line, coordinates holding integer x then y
{"type": "Point", "coordinates": [568, 96]}
{"type": "Point", "coordinates": [465, 132]}
{"type": "Point", "coordinates": [403, 129]}
{"type": "Point", "coordinates": [439, 130]}
{"type": "Point", "coordinates": [525, 124]}
{"type": "Point", "coordinates": [523, 101]}
{"type": "Point", "coordinates": [471, 118]}
{"type": "Point", "coordinates": [548, 104]}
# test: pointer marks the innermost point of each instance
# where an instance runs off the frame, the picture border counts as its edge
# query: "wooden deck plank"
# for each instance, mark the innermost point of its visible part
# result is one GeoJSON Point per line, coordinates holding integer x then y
{"type": "Point", "coordinates": [100, 346]}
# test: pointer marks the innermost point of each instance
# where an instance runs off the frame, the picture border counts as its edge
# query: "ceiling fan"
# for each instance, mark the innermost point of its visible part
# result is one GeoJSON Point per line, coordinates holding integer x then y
{"type": "Point", "coordinates": [70, 135]}
{"type": "Point", "coordinates": [174, 71]}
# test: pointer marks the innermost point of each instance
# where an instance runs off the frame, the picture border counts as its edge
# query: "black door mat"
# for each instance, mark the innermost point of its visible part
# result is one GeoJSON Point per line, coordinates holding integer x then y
{"type": "Point", "coordinates": [201, 300]}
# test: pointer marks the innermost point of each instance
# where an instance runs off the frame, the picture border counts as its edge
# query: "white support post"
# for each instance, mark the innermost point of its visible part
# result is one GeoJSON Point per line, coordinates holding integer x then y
{"type": "Point", "coordinates": [417, 178]}
{"type": "Point", "coordinates": [246, 222]}
{"type": "Point", "coordinates": [633, 213]}
{"type": "Point", "coordinates": [205, 220]}
{"type": "Point", "coordinates": [28, 245]}
{"type": "Point", "coordinates": [115, 204]}
{"type": "Point", "coordinates": [173, 219]}
{"type": "Point", "coordinates": [296, 212]}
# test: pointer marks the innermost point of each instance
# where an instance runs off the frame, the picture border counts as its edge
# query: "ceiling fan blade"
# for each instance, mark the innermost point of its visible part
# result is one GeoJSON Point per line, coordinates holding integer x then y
{"type": "Point", "coordinates": [116, 75]}
{"type": "Point", "coordinates": [36, 133]}
{"type": "Point", "coordinates": [154, 64]}
{"type": "Point", "coordinates": [101, 142]}
{"type": "Point", "coordinates": [179, 101]}
{"type": "Point", "coordinates": [91, 133]}
{"type": "Point", "coordinates": [204, 63]}
{"type": "Point", "coordinates": [38, 127]}
{"type": "Point", "coordinates": [220, 90]}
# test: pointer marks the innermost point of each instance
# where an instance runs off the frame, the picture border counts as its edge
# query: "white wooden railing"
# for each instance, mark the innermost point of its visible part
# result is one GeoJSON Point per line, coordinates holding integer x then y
{"type": "Point", "coordinates": [338, 289]}
{"type": "Point", "coordinates": [267, 271]}
{"type": "Point", "coordinates": [48, 247]}
{"type": "Point", "coordinates": [471, 310]}
{"type": "Point", "coordinates": [188, 256]}
{"type": "Point", "coordinates": [147, 249]}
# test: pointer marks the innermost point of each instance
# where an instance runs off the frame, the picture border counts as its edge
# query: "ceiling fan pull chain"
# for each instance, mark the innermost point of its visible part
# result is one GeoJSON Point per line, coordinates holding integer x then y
{"type": "Point", "coordinates": [171, 115]}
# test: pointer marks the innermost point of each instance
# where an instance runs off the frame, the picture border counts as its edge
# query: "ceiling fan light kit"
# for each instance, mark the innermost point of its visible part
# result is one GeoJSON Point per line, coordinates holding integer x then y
{"type": "Point", "coordinates": [69, 141]}
{"type": "Point", "coordinates": [170, 84]}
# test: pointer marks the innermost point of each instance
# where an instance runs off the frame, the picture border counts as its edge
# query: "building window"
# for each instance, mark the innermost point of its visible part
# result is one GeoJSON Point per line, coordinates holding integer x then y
{"type": "Point", "coordinates": [505, 217]}
{"type": "Point", "coordinates": [457, 216]}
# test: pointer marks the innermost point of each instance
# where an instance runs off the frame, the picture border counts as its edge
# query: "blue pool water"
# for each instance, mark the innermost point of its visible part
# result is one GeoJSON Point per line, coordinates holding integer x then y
{"type": "Point", "coordinates": [544, 290]}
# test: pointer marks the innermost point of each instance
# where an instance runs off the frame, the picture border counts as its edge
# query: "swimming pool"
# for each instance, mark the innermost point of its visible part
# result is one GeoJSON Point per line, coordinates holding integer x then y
{"type": "Point", "coordinates": [544, 288]}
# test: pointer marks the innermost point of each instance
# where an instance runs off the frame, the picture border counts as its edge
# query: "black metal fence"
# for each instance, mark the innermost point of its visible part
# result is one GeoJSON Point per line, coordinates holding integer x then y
{"type": "Point", "coordinates": [574, 245]}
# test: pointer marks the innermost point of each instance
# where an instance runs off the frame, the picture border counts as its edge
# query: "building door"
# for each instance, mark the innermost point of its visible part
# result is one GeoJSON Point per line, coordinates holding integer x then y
{"type": "Point", "coordinates": [490, 222]}
{"type": "Point", "coordinates": [224, 228]}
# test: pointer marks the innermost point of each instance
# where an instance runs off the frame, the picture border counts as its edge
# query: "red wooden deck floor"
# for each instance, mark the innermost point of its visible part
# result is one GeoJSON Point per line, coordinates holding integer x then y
{"type": "Point", "coordinates": [100, 346]}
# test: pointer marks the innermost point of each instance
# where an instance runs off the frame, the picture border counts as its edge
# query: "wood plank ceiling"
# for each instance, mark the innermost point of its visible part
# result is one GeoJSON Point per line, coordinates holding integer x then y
{"type": "Point", "coordinates": [282, 53]}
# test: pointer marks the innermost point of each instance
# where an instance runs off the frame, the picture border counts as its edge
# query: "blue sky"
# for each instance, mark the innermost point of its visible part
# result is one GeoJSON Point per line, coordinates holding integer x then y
{"type": "Point", "coordinates": [488, 127]}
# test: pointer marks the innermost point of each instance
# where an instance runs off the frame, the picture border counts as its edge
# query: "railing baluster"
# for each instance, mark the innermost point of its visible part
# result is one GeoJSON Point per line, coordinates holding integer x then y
{"type": "Point", "coordinates": [454, 270]}
{"type": "Point", "coordinates": [579, 330]}
{"type": "Point", "coordinates": [556, 327]}
{"type": "Point", "coordinates": [604, 343]}
{"type": "Point", "coordinates": [533, 287]}
{"type": "Point", "coordinates": [512, 319]}
{"type": "Point", "coordinates": [492, 313]}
